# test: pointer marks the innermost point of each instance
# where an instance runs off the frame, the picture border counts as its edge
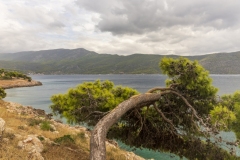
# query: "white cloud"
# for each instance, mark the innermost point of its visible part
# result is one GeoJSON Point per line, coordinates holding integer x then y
{"type": "Point", "coordinates": [187, 27]}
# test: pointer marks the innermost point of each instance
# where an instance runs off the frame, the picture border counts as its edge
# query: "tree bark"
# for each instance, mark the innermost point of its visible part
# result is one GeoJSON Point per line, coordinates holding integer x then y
{"type": "Point", "coordinates": [98, 137]}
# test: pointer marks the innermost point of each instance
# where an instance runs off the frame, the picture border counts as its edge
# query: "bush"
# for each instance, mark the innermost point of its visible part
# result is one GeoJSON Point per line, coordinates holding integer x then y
{"type": "Point", "coordinates": [2, 93]}
{"type": "Point", "coordinates": [45, 126]}
{"type": "Point", "coordinates": [66, 139]}
{"type": "Point", "coordinates": [33, 122]}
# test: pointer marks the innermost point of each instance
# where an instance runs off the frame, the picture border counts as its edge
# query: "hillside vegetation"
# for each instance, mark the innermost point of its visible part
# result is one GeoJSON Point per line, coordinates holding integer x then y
{"type": "Point", "coordinates": [81, 61]}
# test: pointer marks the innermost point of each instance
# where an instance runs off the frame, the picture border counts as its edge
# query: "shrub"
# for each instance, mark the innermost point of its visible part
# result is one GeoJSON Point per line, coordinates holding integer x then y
{"type": "Point", "coordinates": [2, 93]}
{"type": "Point", "coordinates": [45, 126]}
{"type": "Point", "coordinates": [33, 122]}
{"type": "Point", "coordinates": [66, 139]}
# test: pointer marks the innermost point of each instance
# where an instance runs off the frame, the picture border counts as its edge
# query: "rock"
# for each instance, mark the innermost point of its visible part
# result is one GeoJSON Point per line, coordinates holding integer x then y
{"type": "Point", "coordinates": [20, 144]}
{"type": "Point", "coordinates": [2, 126]}
{"type": "Point", "coordinates": [53, 127]}
{"type": "Point", "coordinates": [34, 155]}
{"type": "Point", "coordinates": [29, 139]}
{"type": "Point", "coordinates": [33, 145]}
{"type": "Point", "coordinates": [6, 140]}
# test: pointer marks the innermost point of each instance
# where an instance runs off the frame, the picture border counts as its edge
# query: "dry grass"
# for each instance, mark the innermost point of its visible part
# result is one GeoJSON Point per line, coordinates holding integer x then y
{"type": "Point", "coordinates": [78, 149]}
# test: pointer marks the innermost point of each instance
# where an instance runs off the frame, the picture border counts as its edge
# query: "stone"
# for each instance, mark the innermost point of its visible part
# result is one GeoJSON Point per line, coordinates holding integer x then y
{"type": "Point", "coordinates": [53, 127]}
{"type": "Point", "coordinates": [6, 140]}
{"type": "Point", "coordinates": [29, 139]}
{"type": "Point", "coordinates": [20, 144]}
{"type": "Point", "coordinates": [34, 155]}
{"type": "Point", "coordinates": [33, 146]}
{"type": "Point", "coordinates": [2, 126]}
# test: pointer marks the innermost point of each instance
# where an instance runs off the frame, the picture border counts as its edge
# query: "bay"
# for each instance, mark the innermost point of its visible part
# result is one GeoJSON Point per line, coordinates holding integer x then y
{"type": "Point", "coordinates": [39, 96]}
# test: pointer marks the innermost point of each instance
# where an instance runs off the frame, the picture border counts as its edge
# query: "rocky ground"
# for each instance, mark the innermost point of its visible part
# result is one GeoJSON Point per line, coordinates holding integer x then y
{"type": "Point", "coordinates": [6, 84]}
{"type": "Point", "coordinates": [30, 134]}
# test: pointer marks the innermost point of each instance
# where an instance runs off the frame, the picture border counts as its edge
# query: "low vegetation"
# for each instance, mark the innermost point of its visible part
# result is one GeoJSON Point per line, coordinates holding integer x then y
{"type": "Point", "coordinates": [9, 75]}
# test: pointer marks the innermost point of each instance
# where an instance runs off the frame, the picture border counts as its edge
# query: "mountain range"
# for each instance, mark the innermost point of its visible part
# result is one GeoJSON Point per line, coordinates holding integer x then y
{"type": "Point", "coordinates": [82, 61]}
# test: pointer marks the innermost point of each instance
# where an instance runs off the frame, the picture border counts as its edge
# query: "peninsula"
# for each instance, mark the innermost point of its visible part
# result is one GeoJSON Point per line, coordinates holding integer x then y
{"type": "Point", "coordinates": [14, 83]}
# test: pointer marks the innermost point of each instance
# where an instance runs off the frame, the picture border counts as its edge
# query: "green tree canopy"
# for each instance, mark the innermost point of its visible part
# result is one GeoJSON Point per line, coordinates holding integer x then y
{"type": "Point", "coordinates": [90, 101]}
{"type": "Point", "coordinates": [231, 102]}
{"type": "Point", "coordinates": [171, 118]}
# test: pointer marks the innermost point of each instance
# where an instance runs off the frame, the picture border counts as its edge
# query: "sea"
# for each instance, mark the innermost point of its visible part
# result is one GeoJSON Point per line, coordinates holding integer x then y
{"type": "Point", "coordinates": [39, 96]}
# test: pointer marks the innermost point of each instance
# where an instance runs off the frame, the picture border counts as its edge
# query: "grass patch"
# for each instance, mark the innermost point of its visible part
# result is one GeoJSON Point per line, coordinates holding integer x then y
{"type": "Point", "coordinates": [33, 122]}
{"type": "Point", "coordinates": [45, 126]}
{"type": "Point", "coordinates": [82, 137]}
{"type": "Point", "coordinates": [21, 127]}
{"type": "Point", "coordinates": [10, 136]}
{"type": "Point", "coordinates": [40, 138]}
{"type": "Point", "coordinates": [66, 139]}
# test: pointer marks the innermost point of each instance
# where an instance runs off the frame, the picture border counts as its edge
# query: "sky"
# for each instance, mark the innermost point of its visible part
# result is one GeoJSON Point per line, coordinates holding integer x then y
{"type": "Point", "coordinates": [181, 27]}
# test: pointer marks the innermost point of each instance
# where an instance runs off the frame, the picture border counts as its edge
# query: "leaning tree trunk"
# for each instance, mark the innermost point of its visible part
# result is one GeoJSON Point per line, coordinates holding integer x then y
{"type": "Point", "coordinates": [98, 137]}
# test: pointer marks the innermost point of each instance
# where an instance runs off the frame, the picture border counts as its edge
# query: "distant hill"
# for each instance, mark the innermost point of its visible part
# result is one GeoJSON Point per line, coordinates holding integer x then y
{"type": "Point", "coordinates": [82, 61]}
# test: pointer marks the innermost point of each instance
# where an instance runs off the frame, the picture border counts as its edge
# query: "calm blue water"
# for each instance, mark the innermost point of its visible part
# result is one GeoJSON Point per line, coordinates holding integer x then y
{"type": "Point", "coordinates": [39, 96]}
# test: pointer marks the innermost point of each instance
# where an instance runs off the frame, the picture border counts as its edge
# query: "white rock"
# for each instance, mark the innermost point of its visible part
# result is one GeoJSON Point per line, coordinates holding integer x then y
{"type": "Point", "coordinates": [29, 139]}
{"type": "Point", "coordinates": [20, 144]}
{"type": "Point", "coordinates": [2, 126]}
{"type": "Point", "coordinates": [34, 155]}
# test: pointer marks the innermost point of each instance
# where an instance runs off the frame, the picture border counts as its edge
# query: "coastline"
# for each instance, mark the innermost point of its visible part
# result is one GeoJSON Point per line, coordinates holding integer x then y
{"type": "Point", "coordinates": [15, 83]}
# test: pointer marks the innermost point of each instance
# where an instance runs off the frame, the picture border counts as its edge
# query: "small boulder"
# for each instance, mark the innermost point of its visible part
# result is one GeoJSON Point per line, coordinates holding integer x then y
{"type": "Point", "coordinates": [34, 147]}
{"type": "Point", "coordinates": [2, 126]}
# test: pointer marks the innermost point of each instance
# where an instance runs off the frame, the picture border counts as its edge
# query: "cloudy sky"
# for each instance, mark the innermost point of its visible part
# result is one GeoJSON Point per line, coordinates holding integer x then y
{"type": "Point", "coordinates": [182, 27]}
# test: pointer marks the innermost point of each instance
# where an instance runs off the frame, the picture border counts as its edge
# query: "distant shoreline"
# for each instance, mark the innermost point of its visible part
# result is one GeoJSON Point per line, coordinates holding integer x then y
{"type": "Point", "coordinates": [15, 83]}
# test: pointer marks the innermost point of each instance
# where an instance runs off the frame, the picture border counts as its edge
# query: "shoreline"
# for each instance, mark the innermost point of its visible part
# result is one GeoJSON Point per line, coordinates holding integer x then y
{"type": "Point", "coordinates": [7, 84]}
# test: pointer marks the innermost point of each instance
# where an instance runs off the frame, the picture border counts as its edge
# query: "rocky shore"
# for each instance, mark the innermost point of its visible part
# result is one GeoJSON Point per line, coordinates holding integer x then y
{"type": "Point", "coordinates": [24, 135]}
{"type": "Point", "coordinates": [6, 84]}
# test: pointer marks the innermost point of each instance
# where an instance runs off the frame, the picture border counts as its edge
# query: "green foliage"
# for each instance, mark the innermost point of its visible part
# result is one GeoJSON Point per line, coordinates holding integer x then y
{"type": "Point", "coordinates": [145, 127]}
{"type": "Point", "coordinates": [2, 93]}
{"type": "Point", "coordinates": [7, 75]}
{"type": "Point", "coordinates": [192, 81]}
{"type": "Point", "coordinates": [66, 139]}
{"type": "Point", "coordinates": [40, 138]}
{"type": "Point", "coordinates": [45, 126]}
{"type": "Point", "coordinates": [222, 117]}
{"type": "Point", "coordinates": [80, 61]}
{"type": "Point", "coordinates": [232, 102]}
{"type": "Point", "coordinates": [89, 101]}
